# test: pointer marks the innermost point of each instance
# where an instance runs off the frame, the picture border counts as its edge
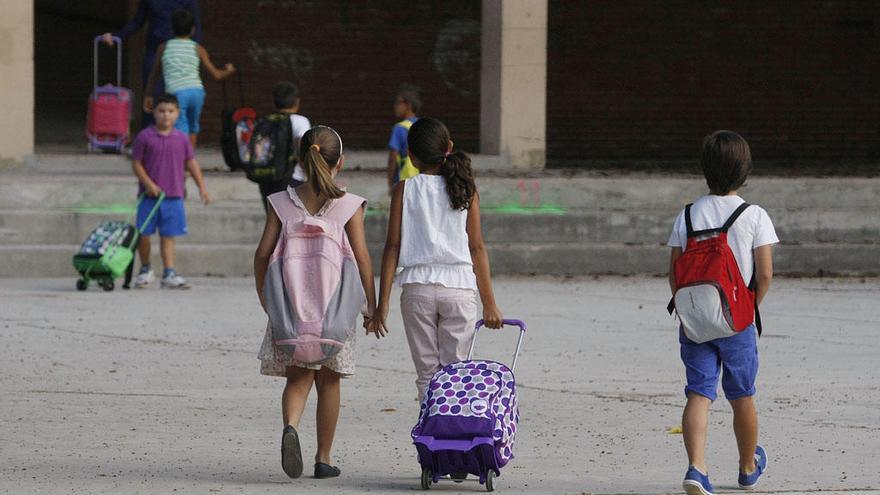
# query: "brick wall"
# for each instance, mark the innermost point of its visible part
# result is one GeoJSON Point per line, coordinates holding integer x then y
{"type": "Point", "coordinates": [349, 58]}
{"type": "Point", "coordinates": [645, 80]}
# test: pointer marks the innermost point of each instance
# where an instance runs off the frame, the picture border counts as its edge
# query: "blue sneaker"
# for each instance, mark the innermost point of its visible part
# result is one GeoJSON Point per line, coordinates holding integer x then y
{"type": "Point", "coordinates": [696, 483]}
{"type": "Point", "coordinates": [748, 481]}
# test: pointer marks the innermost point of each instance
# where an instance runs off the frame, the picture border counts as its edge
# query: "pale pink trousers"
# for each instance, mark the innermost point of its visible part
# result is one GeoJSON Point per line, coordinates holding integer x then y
{"type": "Point", "coordinates": [439, 324]}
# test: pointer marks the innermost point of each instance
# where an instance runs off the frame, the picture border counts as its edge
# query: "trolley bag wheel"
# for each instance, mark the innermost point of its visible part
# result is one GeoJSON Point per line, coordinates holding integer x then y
{"type": "Point", "coordinates": [108, 285]}
{"type": "Point", "coordinates": [490, 481]}
{"type": "Point", "coordinates": [427, 478]}
{"type": "Point", "coordinates": [81, 284]}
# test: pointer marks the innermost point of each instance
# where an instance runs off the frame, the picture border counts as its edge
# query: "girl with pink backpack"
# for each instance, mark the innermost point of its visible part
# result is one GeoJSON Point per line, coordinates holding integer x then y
{"type": "Point", "coordinates": [313, 276]}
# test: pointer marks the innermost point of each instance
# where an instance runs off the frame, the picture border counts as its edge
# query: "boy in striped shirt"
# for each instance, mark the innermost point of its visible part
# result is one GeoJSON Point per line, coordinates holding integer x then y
{"type": "Point", "coordinates": [179, 60]}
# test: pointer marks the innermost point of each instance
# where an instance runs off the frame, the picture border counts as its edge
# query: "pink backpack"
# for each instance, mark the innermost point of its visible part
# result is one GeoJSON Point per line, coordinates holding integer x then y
{"type": "Point", "coordinates": [313, 288]}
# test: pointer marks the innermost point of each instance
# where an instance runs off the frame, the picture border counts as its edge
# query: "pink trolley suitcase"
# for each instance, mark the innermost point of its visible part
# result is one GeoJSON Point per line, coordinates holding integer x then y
{"type": "Point", "coordinates": [107, 128]}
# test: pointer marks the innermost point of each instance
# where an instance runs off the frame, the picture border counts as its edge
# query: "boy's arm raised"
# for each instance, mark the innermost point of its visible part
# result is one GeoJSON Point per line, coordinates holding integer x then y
{"type": "Point", "coordinates": [358, 239]}
{"type": "Point", "coordinates": [196, 171]}
{"type": "Point", "coordinates": [216, 73]}
{"type": "Point", "coordinates": [491, 314]}
{"type": "Point", "coordinates": [763, 271]}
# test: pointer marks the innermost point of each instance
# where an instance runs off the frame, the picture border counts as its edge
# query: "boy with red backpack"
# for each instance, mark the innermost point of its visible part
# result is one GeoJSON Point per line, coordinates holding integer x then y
{"type": "Point", "coordinates": [718, 243]}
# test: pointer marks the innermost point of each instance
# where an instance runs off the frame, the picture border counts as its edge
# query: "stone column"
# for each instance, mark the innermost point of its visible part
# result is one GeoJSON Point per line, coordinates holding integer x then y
{"type": "Point", "coordinates": [513, 87]}
{"type": "Point", "coordinates": [17, 79]}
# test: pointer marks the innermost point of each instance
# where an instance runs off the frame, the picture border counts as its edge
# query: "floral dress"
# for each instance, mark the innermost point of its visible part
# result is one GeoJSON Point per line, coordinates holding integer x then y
{"type": "Point", "coordinates": [274, 361]}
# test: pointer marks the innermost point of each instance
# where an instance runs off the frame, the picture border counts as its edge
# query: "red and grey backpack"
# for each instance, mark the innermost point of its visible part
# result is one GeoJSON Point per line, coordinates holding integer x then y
{"type": "Point", "coordinates": [711, 298]}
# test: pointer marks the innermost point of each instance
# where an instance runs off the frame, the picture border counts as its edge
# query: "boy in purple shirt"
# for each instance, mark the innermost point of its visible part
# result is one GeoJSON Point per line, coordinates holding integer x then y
{"type": "Point", "coordinates": [161, 155]}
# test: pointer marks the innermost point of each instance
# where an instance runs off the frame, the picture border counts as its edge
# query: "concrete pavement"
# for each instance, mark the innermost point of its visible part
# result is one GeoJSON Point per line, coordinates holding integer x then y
{"type": "Point", "coordinates": [159, 392]}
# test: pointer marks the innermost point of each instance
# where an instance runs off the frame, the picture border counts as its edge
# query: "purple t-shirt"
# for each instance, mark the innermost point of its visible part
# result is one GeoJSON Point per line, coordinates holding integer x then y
{"type": "Point", "coordinates": [164, 158]}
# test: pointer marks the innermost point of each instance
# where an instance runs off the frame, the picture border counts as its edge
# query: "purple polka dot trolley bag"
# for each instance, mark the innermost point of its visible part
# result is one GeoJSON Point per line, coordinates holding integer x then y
{"type": "Point", "coordinates": [468, 418]}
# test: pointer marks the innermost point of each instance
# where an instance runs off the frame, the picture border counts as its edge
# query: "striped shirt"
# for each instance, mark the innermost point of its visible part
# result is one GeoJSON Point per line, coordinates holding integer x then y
{"type": "Point", "coordinates": [180, 65]}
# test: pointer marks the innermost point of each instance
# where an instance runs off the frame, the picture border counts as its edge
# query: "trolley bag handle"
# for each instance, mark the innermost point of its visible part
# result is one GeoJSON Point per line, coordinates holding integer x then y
{"type": "Point", "coordinates": [240, 89]}
{"type": "Point", "coordinates": [118, 42]}
{"type": "Point", "coordinates": [140, 228]}
{"type": "Point", "coordinates": [514, 323]}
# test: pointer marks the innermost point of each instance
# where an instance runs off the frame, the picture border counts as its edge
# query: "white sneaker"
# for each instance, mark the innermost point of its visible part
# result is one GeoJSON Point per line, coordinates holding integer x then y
{"type": "Point", "coordinates": [174, 281]}
{"type": "Point", "coordinates": [144, 278]}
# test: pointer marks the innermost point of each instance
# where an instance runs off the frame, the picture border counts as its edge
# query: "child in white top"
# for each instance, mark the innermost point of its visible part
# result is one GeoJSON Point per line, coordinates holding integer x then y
{"type": "Point", "coordinates": [434, 236]}
{"type": "Point", "coordinates": [726, 163]}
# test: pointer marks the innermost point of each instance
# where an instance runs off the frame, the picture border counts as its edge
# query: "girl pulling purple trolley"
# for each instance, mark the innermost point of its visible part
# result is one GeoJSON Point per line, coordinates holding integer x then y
{"type": "Point", "coordinates": [467, 423]}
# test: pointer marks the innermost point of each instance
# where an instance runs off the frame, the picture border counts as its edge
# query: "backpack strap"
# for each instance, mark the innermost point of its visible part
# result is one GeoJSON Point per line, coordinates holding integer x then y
{"type": "Point", "coordinates": [283, 206]}
{"type": "Point", "coordinates": [689, 227]}
{"type": "Point", "coordinates": [345, 208]}
{"type": "Point", "coordinates": [733, 216]}
{"type": "Point", "coordinates": [724, 228]}
{"type": "Point", "coordinates": [753, 284]}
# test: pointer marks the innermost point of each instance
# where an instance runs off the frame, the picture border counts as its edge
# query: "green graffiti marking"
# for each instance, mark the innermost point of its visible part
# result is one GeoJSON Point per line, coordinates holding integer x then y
{"type": "Point", "coordinates": [113, 209]}
{"type": "Point", "coordinates": [515, 209]}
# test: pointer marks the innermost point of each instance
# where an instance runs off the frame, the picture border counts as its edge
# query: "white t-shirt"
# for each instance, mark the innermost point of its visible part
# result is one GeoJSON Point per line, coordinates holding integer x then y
{"type": "Point", "coordinates": [433, 237]}
{"type": "Point", "coordinates": [300, 125]}
{"type": "Point", "coordinates": [751, 230]}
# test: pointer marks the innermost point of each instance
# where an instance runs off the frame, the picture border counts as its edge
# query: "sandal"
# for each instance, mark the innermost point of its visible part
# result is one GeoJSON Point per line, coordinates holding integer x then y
{"type": "Point", "coordinates": [324, 470]}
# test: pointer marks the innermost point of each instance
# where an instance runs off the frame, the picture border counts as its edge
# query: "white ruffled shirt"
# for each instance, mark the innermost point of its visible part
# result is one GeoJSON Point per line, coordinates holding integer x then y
{"type": "Point", "coordinates": [433, 237]}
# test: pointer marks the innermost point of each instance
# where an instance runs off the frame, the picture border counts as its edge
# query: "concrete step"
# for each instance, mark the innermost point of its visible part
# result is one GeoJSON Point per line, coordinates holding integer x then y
{"type": "Point", "coordinates": [24, 260]}
{"type": "Point", "coordinates": [226, 223]}
{"type": "Point", "coordinates": [550, 191]}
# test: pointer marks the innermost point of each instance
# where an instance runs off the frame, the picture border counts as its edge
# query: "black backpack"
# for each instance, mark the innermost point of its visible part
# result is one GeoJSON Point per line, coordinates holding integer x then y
{"type": "Point", "coordinates": [271, 157]}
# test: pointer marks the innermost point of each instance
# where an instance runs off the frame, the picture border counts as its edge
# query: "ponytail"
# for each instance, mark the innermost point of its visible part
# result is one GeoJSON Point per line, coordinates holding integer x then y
{"type": "Point", "coordinates": [460, 185]}
{"type": "Point", "coordinates": [429, 141]}
{"type": "Point", "coordinates": [319, 147]}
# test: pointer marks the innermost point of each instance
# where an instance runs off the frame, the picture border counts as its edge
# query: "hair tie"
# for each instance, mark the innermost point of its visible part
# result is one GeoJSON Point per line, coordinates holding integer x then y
{"type": "Point", "coordinates": [315, 147]}
{"type": "Point", "coordinates": [446, 155]}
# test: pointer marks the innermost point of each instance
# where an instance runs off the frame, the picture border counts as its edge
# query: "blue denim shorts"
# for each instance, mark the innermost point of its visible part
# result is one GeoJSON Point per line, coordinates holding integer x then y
{"type": "Point", "coordinates": [190, 101]}
{"type": "Point", "coordinates": [170, 219]}
{"type": "Point", "coordinates": [736, 355]}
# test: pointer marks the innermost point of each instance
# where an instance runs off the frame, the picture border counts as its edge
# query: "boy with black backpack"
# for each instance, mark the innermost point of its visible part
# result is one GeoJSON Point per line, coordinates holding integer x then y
{"type": "Point", "coordinates": [718, 243]}
{"type": "Point", "coordinates": [272, 161]}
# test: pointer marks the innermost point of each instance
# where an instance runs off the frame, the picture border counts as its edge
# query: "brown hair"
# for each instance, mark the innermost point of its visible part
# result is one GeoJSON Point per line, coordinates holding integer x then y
{"type": "Point", "coordinates": [428, 140]}
{"type": "Point", "coordinates": [726, 161]}
{"type": "Point", "coordinates": [320, 149]}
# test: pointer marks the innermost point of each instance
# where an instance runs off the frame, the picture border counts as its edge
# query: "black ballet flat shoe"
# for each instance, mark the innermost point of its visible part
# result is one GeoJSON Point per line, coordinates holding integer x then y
{"type": "Point", "coordinates": [324, 470]}
{"type": "Point", "coordinates": [291, 455]}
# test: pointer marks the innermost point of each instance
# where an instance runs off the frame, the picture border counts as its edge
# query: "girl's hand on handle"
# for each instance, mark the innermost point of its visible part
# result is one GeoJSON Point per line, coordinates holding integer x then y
{"type": "Point", "coordinates": [228, 69]}
{"type": "Point", "coordinates": [107, 38]}
{"type": "Point", "coordinates": [492, 317]}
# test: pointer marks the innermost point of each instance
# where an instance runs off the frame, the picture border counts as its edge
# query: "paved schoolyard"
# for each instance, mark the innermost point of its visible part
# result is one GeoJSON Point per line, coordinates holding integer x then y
{"type": "Point", "coordinates": [155, 392]}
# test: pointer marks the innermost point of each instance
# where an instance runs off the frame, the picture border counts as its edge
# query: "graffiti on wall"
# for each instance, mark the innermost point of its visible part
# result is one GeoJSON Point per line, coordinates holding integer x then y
{"type": "Point", "coordinates": [457, 55]}
{"type": "Point", "coordinates": [281, 57]}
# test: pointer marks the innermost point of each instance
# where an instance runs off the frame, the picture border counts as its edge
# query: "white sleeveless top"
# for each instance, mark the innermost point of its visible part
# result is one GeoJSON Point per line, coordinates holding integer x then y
{"type": "Point", "coordinates": [433, 237]}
